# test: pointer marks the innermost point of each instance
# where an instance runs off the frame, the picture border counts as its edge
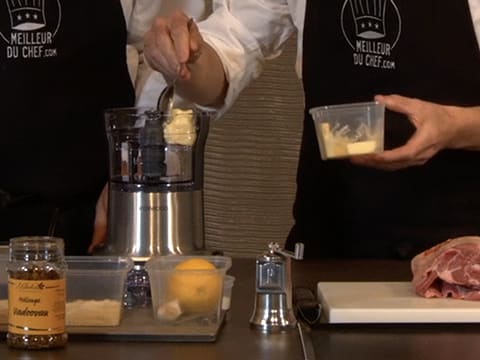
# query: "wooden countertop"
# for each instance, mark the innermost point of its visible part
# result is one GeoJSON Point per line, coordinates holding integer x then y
{"type": "Point", "coordinates": [238, 341]}
{"type": "Point", "coordinates": [383, 341]}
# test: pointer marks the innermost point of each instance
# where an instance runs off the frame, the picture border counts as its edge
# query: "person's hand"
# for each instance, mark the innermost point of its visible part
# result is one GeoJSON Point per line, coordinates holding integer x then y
{"type": "Point", "coordinates": [435, 130]}
{"type": "Point", "coordinates": [100, 226]}
{"type": "Point", "coordinates": [172, 42]}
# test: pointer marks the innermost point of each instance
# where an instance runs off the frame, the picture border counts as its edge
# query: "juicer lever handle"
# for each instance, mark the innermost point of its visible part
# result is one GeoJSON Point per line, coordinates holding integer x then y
{"type": "Point", "coordinates": [297, 254]}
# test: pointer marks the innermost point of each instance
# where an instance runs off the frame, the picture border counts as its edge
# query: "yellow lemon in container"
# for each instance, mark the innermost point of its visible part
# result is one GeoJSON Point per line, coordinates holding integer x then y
{"type": "Point", "coordinates": [196, 284]}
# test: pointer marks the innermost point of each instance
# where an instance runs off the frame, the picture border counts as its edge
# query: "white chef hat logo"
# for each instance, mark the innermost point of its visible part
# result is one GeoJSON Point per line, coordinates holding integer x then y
{"type": "Point", "coordinates": [26, 15]}
{"type": "Point", "coordinates": [369, 16]}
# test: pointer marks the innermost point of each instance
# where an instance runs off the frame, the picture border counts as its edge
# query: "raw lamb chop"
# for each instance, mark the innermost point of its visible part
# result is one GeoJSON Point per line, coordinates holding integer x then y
{"type": "Point", "coordinates": [449, 269]}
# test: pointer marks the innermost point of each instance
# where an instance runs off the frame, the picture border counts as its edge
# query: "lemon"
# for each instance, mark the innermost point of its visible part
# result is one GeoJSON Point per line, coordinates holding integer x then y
{"type": "Point", "coordinates": [196, 285]}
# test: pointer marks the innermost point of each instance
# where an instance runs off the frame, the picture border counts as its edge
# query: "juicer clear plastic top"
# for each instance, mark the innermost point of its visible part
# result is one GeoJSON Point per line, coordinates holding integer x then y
{"type": "Point", "coordinates": [156, 151]}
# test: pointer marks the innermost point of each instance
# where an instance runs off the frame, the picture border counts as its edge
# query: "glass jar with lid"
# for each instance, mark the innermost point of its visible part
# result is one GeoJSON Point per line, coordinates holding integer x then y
{"type": "Point", "coordinates": [36, 293]}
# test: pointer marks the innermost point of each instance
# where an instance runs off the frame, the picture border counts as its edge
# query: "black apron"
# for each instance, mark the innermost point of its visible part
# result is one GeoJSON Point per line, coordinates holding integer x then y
{"type": "Point", "coordinates": [61, 64]}
{"type": "Point", "coordinates": [352, 51]}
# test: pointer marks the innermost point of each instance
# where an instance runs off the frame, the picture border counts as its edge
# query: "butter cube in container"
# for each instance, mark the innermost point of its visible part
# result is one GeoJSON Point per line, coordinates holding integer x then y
{"type": "Point", "coordinates": [3, 289]}
{"type": "Point", "coordinates": [95, 289]}
{"type": "Point", "coordinates": [349, 129]}
{"type": "Point", "coordinates": [187, 290]}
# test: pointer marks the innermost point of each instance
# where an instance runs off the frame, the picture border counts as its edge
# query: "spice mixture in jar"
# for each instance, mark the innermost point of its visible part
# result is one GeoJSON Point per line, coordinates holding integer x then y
{"type": "Point", "coordinates": [36, 293]}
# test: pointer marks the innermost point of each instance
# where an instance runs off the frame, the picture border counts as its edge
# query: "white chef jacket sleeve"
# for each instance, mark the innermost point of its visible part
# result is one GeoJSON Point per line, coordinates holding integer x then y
{"type": "Point", "coordinates": [475, 12]}
{"type": "Point", "coordinates": [245, 34]}
{"type": "Point", "coordinates": [140, 16]}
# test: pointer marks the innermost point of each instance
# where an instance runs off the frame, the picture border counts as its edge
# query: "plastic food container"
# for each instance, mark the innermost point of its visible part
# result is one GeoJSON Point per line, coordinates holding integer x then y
{"type": "Point", "coordinates": [3, 288]}
{"type": "Point", "coordinates": [95, 289]}
{"type": "Point", "coordinates": [187, 290]}
{"type": "Point", "coordinates": [349, 129]}
{"type": "Point", "coordinates": [227, 292]}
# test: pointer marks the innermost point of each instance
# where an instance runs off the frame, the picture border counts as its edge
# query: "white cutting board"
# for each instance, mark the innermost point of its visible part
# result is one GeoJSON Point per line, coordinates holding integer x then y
{"type": "Point", "coordinates": [390, 302]}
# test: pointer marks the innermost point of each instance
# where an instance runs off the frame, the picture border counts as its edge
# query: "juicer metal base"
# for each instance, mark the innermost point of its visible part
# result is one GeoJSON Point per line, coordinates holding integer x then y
{"type": "Point", "coordinates": [142, 224]}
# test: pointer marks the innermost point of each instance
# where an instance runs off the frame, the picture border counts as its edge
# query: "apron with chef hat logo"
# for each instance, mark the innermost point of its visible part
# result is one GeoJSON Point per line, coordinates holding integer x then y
{"type": "Point", "coordinates": [61, 63]}
{"type": "Point", "coordinates": [354, 49]}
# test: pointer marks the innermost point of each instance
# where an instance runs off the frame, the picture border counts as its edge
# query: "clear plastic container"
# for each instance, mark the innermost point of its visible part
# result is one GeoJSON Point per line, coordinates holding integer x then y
{"type": "Point", "coordinates": [185, 291]}
{"type": "Point", "coordinates": [349, 129]}
{"type": "Point", "coordinates": [227, 292]}
{"type": "Point", "coordinates": [95, 289]}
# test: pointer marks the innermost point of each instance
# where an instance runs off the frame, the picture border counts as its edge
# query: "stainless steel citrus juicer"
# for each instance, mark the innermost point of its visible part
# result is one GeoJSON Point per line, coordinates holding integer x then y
{"type": "Point", "coordinates": [156, 181]}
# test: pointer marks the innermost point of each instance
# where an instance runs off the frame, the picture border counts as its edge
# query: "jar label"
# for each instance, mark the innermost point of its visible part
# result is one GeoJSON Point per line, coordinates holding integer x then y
{"type": "Point", "coordinates": [36, 307]}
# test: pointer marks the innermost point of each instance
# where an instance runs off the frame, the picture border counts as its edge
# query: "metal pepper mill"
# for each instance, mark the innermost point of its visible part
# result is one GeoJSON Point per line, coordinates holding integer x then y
{"type": "Point", "coordinates": [273, 310]}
